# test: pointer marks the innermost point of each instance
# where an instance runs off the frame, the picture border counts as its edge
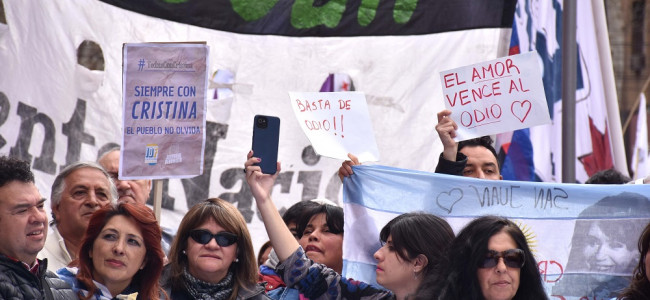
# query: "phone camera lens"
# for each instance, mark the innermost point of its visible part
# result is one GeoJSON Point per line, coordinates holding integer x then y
{"type": "Point", "coordinates": [262, 122]}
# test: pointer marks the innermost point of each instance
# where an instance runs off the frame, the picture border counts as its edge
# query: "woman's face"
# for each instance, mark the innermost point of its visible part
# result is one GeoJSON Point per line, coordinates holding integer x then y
{"type": "Point", "coordinates": [321, 245]}
{"type": "Point", "coordinates": [118, 253]}
{"type": "Point", "coordinates": [210, 262]}
{"type": "Point", "coordinates": [606, 255]}
{"type": "Point", "coordinates": [499, 282]}
{"type": "Point", "coordinates": [393, 272]}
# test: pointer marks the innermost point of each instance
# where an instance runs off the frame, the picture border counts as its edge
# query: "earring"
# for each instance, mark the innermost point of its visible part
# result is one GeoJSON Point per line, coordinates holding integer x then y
{"type": "Point", "coordinates": [236, 259]}
{"type": "Point", "coordinates": [184, 252]}
{"type": "Point", "coordinates": [415, 275]}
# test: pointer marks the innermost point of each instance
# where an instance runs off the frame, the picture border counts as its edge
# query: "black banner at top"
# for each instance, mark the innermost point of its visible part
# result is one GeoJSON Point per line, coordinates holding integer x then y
{"type": "Point", "coordinates": [324, 18]}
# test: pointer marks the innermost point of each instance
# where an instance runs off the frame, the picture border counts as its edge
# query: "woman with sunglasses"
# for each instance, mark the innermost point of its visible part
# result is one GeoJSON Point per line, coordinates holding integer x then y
{"type": "Point", "coordinates": [490, 259]}
{"type": "Point", "coordinates": [412, 250]}
{"type": "Point", "coordinates": [212, 256]}
{"type": "Point", "coordinates": [639, 288]}
{"type": "Point", "coordinates": [119, 255]}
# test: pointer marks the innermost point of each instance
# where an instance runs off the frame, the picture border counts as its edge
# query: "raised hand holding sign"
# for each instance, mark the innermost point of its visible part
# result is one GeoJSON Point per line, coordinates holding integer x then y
{"type": "Point", "coordinates": [495, 96]}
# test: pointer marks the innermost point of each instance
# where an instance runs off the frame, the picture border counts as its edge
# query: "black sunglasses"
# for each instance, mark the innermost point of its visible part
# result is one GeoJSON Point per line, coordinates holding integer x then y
{"type": "Point", "coordinates": [224, 239]}
{"type": "Point", "coordinates": [513, 258]}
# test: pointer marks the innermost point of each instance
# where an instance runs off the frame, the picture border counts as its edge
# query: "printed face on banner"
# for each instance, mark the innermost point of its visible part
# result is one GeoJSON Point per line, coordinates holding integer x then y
{"type": "Point", "coordinates": [164, 107]}
{"type": "Point", "coordinates": [495, 96]}
{"type": "Point", "coordinates": [336, 124]}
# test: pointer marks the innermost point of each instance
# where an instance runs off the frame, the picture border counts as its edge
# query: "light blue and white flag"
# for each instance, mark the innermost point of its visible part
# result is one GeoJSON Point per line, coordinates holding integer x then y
{"type": "Point", "coordinates": [583, 236]}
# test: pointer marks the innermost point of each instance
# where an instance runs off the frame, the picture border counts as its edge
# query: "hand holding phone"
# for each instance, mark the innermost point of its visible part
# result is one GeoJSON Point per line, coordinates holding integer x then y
{"type": "Point", "coordinates": [266, 137]}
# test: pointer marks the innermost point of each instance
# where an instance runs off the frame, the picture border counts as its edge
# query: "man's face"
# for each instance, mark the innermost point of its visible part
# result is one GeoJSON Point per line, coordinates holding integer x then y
{"type": "Point", "coordinates": [23, 221]}
{"type": "Point", "coordinates": [481, 163]}
{"type": "Point", "coordinates": [130, 191]}
{"type": "Point", "coordinates": [86, 190]}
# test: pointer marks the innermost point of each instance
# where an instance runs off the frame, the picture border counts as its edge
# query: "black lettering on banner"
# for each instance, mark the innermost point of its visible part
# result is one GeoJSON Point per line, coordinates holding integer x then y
{"type": "Point", "coordinates": [74, 130]}
{"type": "Point", "coordinates": [28, 118]}
{"type": "Point", "coordinates": [198, 188]}
{"type": "Point", "coordinates": [4, 114]}
{"type": "Point", "coordinates": [310, 181]}
{"type": "Point", "coordinates": [333, 187]}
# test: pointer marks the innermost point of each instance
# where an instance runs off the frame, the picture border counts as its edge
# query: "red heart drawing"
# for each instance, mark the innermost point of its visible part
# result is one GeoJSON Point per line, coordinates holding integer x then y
{"type": "Point", "coordinates": [521, 111]}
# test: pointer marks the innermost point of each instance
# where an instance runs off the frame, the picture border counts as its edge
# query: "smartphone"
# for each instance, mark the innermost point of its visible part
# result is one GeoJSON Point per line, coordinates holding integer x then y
{"type": "Point", "coordinates": [266, 137]}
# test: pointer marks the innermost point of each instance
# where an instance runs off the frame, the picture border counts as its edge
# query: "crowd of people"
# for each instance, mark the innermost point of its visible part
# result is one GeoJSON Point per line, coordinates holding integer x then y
{"type": "Point", "coordinates": [104, 242]}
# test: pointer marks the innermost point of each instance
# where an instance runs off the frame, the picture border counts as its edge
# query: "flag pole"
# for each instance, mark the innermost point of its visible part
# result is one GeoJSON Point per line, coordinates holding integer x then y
{"type": "Point", "coordinates": [569, 73]}
{"type": "Point", "coordinates": [609, 87]}
{"type": "Point", "coordinates": [636, 105]}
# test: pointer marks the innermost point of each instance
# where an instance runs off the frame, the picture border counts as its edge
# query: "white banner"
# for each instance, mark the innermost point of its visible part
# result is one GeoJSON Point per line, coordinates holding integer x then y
{"type": "Point", "coordinates": [55, 110]}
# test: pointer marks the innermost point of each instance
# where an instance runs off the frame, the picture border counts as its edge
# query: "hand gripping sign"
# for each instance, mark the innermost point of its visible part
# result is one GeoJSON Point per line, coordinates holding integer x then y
{"type": "Point", "coordinates": [495, 96]}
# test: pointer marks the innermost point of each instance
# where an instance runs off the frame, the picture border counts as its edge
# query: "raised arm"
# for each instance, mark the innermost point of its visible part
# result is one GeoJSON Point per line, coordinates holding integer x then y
{"type": "Point", "coordinates": [261, 185]}
{"type": "Point", "coordinates": [446, 129]}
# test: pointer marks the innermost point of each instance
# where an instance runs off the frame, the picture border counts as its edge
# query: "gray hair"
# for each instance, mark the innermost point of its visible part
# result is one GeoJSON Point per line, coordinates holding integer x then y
{"type": "Point", "coordinates": [106, 149]}
{"type": "Point", "coordinates": [59, 182]}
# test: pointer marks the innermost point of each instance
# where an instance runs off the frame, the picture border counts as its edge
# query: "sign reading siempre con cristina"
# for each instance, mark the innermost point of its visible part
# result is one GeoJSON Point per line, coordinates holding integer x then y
{"type": "Point", "coordinates": [163, 87]}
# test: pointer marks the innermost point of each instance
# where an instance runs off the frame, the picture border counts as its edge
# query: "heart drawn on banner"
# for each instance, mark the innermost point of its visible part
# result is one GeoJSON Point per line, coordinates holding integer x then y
{"type": "Point", "coordinates": [521, 111]}
{"type": "Point", "coordinates": [447, 200]}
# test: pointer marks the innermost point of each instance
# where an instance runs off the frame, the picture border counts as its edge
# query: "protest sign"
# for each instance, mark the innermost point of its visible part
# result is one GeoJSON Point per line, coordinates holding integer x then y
{"type": "Point", "coordinates": [495, 96]}
{"type": "Point", "coordinates": [570, 227]}
{"type": "Point", "coordinates": [164, 110]}
{"type": "Point", "coordinates": [336, 124]}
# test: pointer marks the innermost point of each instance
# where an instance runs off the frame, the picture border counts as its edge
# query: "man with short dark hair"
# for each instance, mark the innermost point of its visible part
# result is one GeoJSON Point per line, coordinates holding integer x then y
{"type": "Point", "coordinates": [471, 158]}
{"type": "Point", "coordinates": [23, 230]}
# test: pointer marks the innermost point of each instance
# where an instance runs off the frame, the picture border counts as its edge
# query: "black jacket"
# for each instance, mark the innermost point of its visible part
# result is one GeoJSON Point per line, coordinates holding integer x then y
{"type": "Point", "coordinates": [452, 167]}
{"type": "Point", "coordinates": [16, 282]}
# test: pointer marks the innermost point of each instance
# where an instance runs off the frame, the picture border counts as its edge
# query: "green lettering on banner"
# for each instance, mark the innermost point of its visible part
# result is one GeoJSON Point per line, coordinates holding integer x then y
{"type": "Point", "coordinates": [367, 12]}
{"type": "Point", "coordinates": [251, 10]}
{"type": "Point", "coordinates": [305, 15]}
{"type": "Point", "coordinates": [404, 10]}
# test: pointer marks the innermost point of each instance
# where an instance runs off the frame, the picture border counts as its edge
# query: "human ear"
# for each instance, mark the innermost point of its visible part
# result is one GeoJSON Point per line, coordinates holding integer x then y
{"type": "Point", "coordinates": [420, 263]}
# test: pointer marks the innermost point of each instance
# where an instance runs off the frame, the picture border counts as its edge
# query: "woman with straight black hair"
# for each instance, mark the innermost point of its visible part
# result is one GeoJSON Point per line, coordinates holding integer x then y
{"type": "Point", "coordinates": [489, 259]}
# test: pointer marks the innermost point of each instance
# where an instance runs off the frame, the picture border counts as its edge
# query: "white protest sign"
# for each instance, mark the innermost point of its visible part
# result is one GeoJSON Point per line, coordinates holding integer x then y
{"type": "Point", "coordinates": [495, 96]}
{"type": "Point", "coordinates": [336, 124]}
{"type": "Point", "coordinates": [164, 92]}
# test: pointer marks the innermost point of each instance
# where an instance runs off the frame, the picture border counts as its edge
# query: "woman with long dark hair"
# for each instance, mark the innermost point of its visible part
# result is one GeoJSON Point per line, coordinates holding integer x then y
{"type": "Point", "coordinates": [489, 259]}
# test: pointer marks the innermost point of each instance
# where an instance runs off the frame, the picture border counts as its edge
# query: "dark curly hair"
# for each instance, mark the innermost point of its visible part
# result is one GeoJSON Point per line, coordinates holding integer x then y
{"type": "Point", "coordinates": [14, 169]}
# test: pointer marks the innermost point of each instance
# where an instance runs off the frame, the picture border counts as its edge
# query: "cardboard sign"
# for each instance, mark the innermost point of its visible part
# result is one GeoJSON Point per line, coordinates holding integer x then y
{"type": "Point", "coordinates": [336, 124]}
{"type": "Point", "coordinates": [495, 96]}
{"type": "Point", "coordinates": [164, 103]}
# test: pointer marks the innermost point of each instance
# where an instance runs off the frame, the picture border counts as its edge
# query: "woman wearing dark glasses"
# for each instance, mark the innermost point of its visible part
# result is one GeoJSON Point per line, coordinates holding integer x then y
{"type": "Point", "coordinates": [413, 249]}
{"type": "Point", "coordinates": [212, 256]}
{"type": "Point", "coordinates": [120, 256]}
{"type": "Point", "coordinates": [490, 259]}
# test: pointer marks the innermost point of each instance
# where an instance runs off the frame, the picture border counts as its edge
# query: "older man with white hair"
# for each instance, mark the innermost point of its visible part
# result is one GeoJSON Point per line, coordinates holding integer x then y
{"type": "Point", "coordinates": [77, 192]}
